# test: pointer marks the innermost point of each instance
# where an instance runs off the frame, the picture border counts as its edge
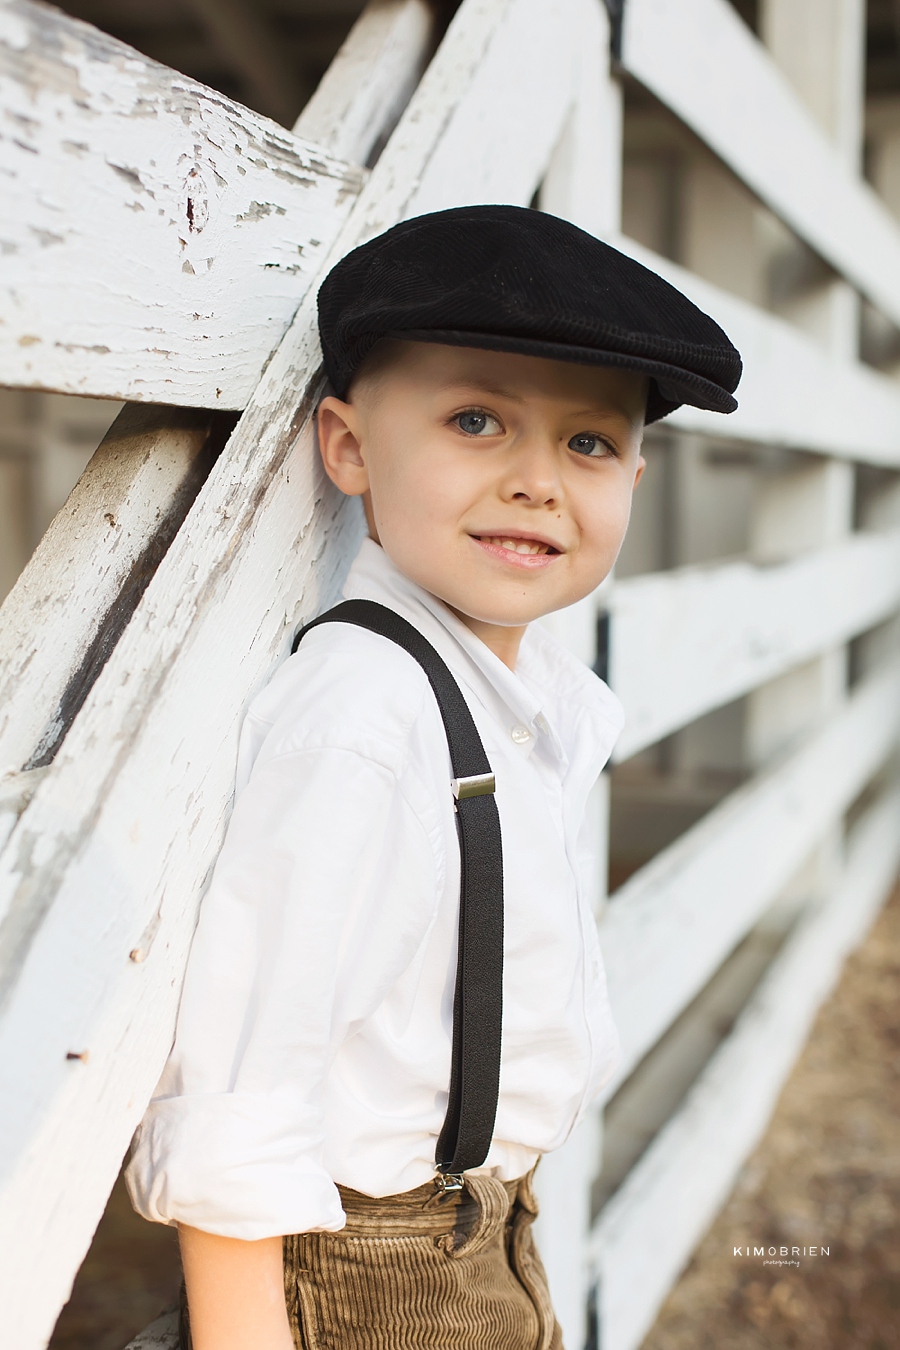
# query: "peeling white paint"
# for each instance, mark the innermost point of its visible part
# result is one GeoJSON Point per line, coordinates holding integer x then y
{"type": "Point", "coordinates": [137, 200]}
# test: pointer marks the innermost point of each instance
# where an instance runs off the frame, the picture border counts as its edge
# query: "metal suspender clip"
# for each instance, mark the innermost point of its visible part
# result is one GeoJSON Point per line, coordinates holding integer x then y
{"type": "Point", "coordinates": [446, 1183]}
{"type": "Point", "coordinates": [479, 785]}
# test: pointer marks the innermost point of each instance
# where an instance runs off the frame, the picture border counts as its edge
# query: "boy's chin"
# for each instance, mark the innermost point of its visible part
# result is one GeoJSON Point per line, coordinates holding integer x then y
{"type": "Point", "coordinates": [508, 617]}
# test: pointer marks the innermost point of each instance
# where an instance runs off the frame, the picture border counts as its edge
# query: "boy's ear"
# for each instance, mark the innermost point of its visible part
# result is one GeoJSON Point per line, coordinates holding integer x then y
{"type": "Point", "coordinates": [639, 472]}
{"type": "Point", "coordinates": [340, 446]}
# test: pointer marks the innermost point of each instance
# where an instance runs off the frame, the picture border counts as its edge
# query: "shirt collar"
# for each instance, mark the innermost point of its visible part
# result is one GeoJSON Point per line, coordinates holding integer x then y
{"type": "Point", "coordinates": [550, 692]}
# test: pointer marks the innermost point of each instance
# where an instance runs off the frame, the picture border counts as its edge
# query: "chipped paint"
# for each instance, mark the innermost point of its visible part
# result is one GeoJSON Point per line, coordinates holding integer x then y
{"type": "Point", "coordinates": [100, 134]}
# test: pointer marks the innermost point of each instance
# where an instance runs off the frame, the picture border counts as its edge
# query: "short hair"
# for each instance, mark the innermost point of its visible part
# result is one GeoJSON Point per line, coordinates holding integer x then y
{"type": "Point", "coordinates": [386, 353]}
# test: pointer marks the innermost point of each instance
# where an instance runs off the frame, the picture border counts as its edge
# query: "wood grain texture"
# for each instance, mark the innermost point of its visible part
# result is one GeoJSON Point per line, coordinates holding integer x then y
{"type": "Point", "coordinates": [16, 791]}
{"type": "Point", "coordinates": [670, 926]}
{"type": "Point", "coordinates": [687, 641]}
{"type": "Point", "coordinates": [647, 1231]}
{"type": "Point", "coordinates": [69, 606]}
{"type": "Point", "coordinates": [92, 872]}
{"type": "Point", "coordinates": [729, 91]}
{"type": "Point", "coordinates": [57, 625]}
{"type": "Point", "coordinates": [156, 237]}
{"type": "Point", "coordinates": [368, 84]}
{"type": "Point", "coordinates": [792, 393]}
{"type": "Point", "coordinates": [160, 1335]}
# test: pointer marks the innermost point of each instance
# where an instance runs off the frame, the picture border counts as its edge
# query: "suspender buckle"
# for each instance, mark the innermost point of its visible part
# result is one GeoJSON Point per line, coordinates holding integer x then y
{"type": "Point", "coordinates": [447, 1183]}
{"type": "Point", "coordinates": [479, 785]}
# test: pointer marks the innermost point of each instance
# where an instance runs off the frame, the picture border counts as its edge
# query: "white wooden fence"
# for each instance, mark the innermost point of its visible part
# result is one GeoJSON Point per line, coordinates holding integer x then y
{"type": "Point", "coordinates": [162, 245]}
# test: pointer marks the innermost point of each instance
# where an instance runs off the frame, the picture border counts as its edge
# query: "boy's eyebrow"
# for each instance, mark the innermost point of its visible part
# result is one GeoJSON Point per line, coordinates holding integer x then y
{"type": "Point", "coordinates": [485, 387]}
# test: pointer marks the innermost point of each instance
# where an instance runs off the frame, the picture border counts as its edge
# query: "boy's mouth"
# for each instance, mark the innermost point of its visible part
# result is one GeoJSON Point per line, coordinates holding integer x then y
{"type": "Point", "coordinates": [532, 546]}
{"type": "Point", "coordinates": [519, 547]}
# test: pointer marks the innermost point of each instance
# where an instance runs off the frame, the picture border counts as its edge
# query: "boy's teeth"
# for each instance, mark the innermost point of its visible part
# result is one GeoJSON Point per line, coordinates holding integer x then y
{"type": "Point", "coordinates": [517, 545]}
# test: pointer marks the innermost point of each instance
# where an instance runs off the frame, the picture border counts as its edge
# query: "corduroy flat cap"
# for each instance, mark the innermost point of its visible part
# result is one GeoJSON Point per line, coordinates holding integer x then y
{"type": "Point", "coordinates": [511, 279]}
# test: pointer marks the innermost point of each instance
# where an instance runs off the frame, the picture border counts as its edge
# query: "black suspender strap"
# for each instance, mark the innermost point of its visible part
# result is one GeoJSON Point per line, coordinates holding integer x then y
{"type": "Point", "coordinates": [478, 1000]}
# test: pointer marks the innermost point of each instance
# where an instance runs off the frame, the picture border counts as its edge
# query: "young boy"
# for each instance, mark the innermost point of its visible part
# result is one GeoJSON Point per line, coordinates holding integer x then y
{"type": "Point", "coordinates": [493, 369]}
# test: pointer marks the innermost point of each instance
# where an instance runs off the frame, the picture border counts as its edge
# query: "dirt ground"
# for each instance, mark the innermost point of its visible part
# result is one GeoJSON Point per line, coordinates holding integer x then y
{"type": "Point", "coordinates": [826, 1174]}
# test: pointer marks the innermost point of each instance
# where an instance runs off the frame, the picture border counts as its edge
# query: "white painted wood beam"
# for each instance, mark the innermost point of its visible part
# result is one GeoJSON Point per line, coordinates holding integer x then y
{"type": "Point", "coordinates": [687, 641]}
{"type": "Point", "coordinates": [583, 182]}
{"type": "Point", "coordinates": [820, 47]}
{"type": "Point", "coordinates": [16, 791]}
{"type": "Point", "coordinates": [729, 92]}
{"type": "Point", "coordinates": [363, 92]}
{"type": "Point", "coordinates": [671, 925]}
{"type": "Point", "coordinates": [160, 1335]}
{"type": "Point", "coordinates": [111, 855]}
{"type": "Point", "coordinates": [647, 1231]}
{"type": "Point", "coordinates": [66, 611]}
{"type": "Point", "coordinates": [156, 237]}
{"type": "Point", "coordinates": [792, 393]}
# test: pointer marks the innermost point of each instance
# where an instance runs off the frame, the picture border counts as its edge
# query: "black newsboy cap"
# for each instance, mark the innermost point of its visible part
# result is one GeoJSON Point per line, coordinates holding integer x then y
{"type": "Point", "coordinates": [511, 279]}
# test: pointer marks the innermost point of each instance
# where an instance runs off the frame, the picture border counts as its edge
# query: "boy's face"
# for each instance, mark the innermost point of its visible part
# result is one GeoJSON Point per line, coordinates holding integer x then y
{"type": "Point", "coordinates": [500, 483]}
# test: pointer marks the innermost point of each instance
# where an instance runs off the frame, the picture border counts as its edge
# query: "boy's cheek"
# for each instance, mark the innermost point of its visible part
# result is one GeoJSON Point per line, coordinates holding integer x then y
{"type": "Point", "coordinates": [604, 529]}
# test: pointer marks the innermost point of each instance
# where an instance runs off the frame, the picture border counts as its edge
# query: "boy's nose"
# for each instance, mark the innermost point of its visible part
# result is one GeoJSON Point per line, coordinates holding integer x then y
{"type": "Point", "coordinates": [532, 476]}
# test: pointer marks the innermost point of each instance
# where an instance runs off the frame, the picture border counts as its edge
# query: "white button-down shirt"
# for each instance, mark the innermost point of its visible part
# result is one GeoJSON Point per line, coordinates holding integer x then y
{"type": "Point", "coordinates": [313, 1040]}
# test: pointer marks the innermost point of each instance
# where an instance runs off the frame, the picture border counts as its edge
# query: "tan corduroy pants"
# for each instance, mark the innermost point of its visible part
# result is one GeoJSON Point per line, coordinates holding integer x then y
{"type": "Point", "coordinates": [421, 1271]}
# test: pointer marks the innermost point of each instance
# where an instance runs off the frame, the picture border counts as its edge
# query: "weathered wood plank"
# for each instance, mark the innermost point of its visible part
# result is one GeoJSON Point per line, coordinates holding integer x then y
{"type": "Point", "coordinates": [68, 608]}
{"type": "Point", "coordinates": [647, 1231]}
{"type": "Point", "coordinates": [65, 613]}
{"type": "Point", "coordinates": [156, 237]}
{"type": "Point", "coordinates": [160, 1335]}
{"type": "Point", "coordinates": [16, 791]}
{"type": "Point", "coordinates": [670, 926]}
{"type": "Point", "coordinates": [726, 88]}
{"type": "Point", "coordinates": [90, 873]}
{"type": "Point", "coordinates": [793, 393]}
{"type": "Point", "coordinates": [368, 84]}
{"type": "Point", "coordinates": [687, 641]}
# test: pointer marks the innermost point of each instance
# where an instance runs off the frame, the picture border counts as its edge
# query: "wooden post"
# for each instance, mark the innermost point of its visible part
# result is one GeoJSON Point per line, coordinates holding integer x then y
{"type": "Point", "coordinates": [883, 132]}
{"type": "Point", "coordinates": [883, 163]}
{"type": "Point", "coordinates": [819, 46]}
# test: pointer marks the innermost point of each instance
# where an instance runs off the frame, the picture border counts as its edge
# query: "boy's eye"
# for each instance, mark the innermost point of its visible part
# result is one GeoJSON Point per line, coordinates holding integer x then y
{"type": "Point", "coordinates": [477, 422]}
{"type": "Point", "coordinates": [587, 443]}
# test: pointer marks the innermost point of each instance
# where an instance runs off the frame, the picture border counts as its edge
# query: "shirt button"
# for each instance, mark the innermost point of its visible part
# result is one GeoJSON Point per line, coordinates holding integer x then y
{"type": "Point", "coordinates": [520, 735]}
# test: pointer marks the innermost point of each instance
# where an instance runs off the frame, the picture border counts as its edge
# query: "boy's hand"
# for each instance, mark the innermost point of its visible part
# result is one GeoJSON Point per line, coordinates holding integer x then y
{"type": "Point", "coordinates": [235, 1292]}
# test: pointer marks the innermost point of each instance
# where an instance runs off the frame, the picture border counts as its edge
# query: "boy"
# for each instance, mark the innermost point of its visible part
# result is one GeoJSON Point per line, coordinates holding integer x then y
{"type": "Point", "coordinates": [492, 369]}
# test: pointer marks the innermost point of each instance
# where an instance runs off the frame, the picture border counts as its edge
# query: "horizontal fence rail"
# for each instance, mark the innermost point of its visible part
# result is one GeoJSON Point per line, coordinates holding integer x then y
{"type": "Point", "coordinates": [687, 641]}
{"type": "Point", "coordinates": [726, 88]}
{"type": "Point", "coordinates": [792, 393]}
{"type": "Point", "coordinates": [670, 926]}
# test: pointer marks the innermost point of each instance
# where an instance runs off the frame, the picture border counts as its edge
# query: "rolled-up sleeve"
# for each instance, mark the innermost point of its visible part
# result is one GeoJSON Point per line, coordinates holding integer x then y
{"type": "Point", "coordinates": [312, 912]}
